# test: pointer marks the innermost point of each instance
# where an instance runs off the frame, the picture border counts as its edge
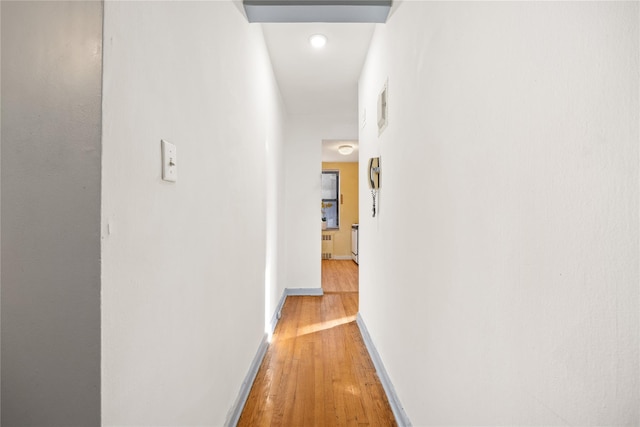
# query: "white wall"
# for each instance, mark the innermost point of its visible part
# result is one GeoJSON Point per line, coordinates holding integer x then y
{"type": "Point", "coordinates": [500, 280]}
{"type": "Point", "coordinates": [184, 266]}
{"type": "Point", "coordinates": [303, 169]}
{"type": "Point", "coordinates": [51, 100]}
{"type": "Point", "coordinates": [275, 272]}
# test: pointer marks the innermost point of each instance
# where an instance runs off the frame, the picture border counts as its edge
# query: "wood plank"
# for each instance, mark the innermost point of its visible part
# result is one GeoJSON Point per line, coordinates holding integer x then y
{"type": "Point", "coordinates": [339, 276]}
{"type": "Point", "coordinates": [317, 370]}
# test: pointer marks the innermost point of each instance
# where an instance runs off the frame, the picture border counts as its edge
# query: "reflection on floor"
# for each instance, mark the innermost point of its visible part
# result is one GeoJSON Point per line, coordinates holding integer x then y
{"type": "Point", "coordinates": [317, 370]}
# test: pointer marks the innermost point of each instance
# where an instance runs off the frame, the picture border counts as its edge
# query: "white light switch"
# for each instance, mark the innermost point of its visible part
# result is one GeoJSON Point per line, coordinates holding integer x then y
{"type": "Point", "coordinates": [169, 162]}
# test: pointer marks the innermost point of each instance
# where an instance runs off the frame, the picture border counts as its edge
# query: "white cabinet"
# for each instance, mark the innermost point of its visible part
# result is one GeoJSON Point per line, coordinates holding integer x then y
{"type": "Point", "coordinates": [354, 242]}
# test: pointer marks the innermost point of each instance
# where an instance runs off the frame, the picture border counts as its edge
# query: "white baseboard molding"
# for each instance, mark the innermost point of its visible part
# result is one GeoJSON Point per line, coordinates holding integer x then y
{"type": "Point", "coordinates": [243, 394]}
{"type": "Point", "coordinates": [341, 257]}
{"type": "Point", "coordinates": [315, 292]}
{"type": "Point", "coordinates": [277, 313]}
{"type": "Point", "coordinates": [398, 411]}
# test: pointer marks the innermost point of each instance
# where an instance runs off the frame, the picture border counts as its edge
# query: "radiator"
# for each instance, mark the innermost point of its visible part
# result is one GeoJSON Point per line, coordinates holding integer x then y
{"type": "Point", "coordinates": [327, 246]}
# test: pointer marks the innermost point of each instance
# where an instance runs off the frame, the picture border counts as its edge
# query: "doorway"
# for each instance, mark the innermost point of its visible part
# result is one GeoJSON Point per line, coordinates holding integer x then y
{"type": "Point", "coordinates": [339, 215]}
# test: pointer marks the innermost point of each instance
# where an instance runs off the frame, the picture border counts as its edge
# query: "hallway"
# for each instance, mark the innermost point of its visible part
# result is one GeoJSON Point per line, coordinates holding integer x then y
{"type": "Point", "coordinates": [142, 286]}
{"type": "Point", "coordinates": [317, 370]}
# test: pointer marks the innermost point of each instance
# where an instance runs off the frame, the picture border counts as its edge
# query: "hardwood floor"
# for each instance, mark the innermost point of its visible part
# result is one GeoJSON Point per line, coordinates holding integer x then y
{"type": "Point", "coordinates": [317, 371]}
{"type": "Point", "coordinates": [339, 276]}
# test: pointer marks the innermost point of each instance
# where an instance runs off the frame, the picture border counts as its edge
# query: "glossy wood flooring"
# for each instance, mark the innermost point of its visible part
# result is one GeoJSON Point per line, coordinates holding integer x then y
{"type": "Point", "coordinates": [317, 371]}
{"type": "Point", "coordinates": [339, 276]}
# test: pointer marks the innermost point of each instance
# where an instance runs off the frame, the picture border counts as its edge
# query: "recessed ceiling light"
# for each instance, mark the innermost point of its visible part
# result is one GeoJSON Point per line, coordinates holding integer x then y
{"type": "Point", "coordinates": [345, 150]}
{"type": "Point", "coordinates": [318, 40]}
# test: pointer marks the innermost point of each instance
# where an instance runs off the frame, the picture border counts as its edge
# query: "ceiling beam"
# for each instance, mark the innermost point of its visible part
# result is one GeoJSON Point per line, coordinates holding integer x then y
{"type": "Point", "coordinates": [375, 11]}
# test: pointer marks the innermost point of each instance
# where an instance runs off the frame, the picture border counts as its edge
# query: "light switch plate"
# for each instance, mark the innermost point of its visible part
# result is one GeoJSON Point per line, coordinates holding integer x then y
{"type": "Point", "coordinates": [383, 108]}
{"type": "Point", "coordinates": [169, 161]}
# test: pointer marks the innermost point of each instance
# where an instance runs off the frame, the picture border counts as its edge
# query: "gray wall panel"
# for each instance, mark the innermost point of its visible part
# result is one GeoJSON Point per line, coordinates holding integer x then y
{"type": "Point", "coordinates": [51, 174]}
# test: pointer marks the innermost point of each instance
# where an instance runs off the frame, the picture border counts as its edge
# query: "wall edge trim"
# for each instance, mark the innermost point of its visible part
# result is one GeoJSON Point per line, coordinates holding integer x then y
{"type": "Point", "coordinates": [277, 313]}
{"type": "Point", "coordinates": [245, 388]}
{"type": "Point", "coordinates": [316, 292]}
{"type": "Point", "coordinates": [396, 407]}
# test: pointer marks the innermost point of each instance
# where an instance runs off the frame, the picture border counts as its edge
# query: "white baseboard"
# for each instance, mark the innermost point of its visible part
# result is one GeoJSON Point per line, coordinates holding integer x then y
{"type": "Point", "coordinates": [236, 410]}
{"type": "Point", "coordinates": [315, 292]}
{"type": "Point", "coordinates": [277, 313]}
{"type": "Point", "coordinates": [341, 257]}
{"type": "Point", "coordinates": [398, 411]}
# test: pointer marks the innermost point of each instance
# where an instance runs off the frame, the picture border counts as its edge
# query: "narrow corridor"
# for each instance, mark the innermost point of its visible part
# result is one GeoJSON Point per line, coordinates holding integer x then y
{"type": "Point", "coordinates": [317, 370]}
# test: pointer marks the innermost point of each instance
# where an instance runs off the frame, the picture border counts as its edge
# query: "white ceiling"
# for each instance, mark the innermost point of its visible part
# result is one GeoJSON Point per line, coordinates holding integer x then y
{"type": "Point", "coordinates": [323, 81]}
{"type": "Point", "coordinates": [330, 151]}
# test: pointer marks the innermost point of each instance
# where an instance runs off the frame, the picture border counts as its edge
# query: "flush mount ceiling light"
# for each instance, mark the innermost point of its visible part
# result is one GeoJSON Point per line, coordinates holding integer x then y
{"type": "Point", "coordinates": [345, 150]}
{"type": "Point", "coordinates": [318, 40]}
